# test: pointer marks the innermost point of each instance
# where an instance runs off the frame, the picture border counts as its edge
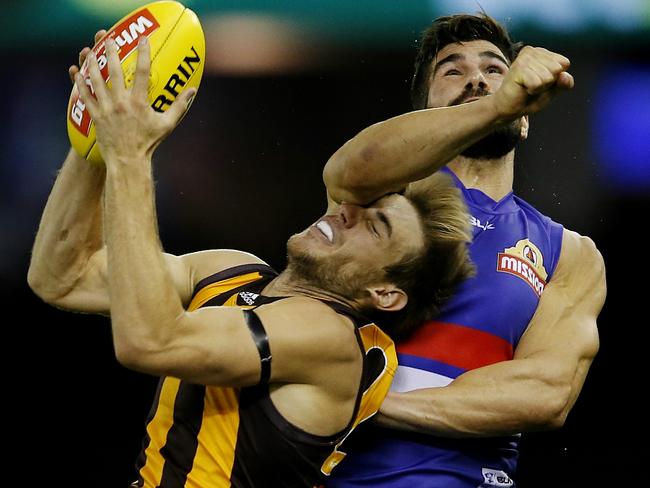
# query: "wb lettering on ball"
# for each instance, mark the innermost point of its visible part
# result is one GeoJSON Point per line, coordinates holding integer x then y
{"type": "Point", "coordinates": [174, 85]}
{"type": "Point", "coordinates": [77, 112]}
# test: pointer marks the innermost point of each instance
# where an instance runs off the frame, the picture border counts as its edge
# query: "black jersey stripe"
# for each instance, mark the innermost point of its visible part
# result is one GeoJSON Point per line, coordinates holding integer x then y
{"type": "Point", "coordinates": [142, 458]}
{"type": "Point", "coordinates": [182, 441]}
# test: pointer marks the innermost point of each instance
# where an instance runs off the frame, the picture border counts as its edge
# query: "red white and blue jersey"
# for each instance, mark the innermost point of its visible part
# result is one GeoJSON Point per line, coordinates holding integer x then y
{"type": "Point", "coordinates": [515, 249]}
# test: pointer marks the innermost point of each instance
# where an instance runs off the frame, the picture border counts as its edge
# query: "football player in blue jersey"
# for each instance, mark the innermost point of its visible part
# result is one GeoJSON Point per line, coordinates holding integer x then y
{"type": "Point", "coordinates": [510, 352]}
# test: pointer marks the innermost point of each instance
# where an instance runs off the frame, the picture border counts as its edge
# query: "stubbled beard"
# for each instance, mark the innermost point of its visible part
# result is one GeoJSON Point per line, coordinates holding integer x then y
{"type": "Point", "coordinates": [331, 275]}
{"type": "Point", "coordinates": [496, 144]}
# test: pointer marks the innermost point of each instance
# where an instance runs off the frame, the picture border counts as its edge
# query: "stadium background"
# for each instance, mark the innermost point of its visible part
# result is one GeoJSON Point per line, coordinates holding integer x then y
{"type": "Point", "coordinates": [286, 84]}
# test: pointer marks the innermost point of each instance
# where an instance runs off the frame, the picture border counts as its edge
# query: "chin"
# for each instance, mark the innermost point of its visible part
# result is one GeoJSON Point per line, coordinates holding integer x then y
{"type": "Point", "coordinates": [300, 256]}
{"type": "Point", "coordinates": [301, 245]}
{"type": "Point", "coordinates": [330, 273]}
{"type": "Point", "coordinates": [497, 144]}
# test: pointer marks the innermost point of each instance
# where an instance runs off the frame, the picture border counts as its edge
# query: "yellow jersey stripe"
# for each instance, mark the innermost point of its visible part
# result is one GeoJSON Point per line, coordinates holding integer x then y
{"type": "Point", "coordinates": [215, 289]}
{"type": "Point", "coordinates": [373, 337]}
{"type": "Point", "coordinates": [217, 439]}
{"type": "Point", "coordinates": [157, 430]}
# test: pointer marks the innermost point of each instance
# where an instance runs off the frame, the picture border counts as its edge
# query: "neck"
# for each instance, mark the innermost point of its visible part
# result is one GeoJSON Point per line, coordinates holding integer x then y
{"type": "Point", "coordinates": [494, 177]}
{"type": "Point", "coordinates": [288, 283]}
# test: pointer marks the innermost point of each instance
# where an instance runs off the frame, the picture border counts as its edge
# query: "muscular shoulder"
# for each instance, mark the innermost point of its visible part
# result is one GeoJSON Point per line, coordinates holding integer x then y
{"type": "Point", "coordinates": [309, 331]}
{"type": "Point", "coordinates": [204, 263]}
{"type": "Point", "coordinates": [189, 269]}
{"type": "Point", "coordinates": [579, 254]}
{"type": "Point", "coordinates": [580, 273]}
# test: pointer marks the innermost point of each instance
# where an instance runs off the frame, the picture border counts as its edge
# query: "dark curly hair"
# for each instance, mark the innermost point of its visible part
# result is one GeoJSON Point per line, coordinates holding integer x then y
{"type": "Point", "coordinates": [451, 29]}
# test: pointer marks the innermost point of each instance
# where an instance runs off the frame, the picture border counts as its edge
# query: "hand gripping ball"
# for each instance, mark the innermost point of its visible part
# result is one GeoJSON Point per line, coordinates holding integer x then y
{"type": "Point", "coordinates": [177, 60]}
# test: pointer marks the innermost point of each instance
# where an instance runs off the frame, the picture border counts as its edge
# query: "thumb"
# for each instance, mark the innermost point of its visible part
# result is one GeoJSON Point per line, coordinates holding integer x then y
{"type": "Point", "coordinates": [180, 106]}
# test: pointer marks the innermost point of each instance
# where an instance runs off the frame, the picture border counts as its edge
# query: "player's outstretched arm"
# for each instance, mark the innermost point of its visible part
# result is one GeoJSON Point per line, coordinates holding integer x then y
{"type": "Point", "coordinates": [389, 155]}
{"type": "Point", "coordinates": [67, 262]}
{"type": "Point", "coordinates": [537, 389]}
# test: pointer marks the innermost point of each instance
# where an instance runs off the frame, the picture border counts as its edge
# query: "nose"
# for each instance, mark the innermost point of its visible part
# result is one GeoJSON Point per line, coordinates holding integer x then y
{"type": "Point", "coordinates": [350, 214]}
{"type": "Point", "coordinates": [476, 81]}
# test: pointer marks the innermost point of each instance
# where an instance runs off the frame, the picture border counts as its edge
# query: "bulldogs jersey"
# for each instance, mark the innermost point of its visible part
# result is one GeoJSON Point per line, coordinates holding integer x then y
{"type": "Point", "coordinates": [515, 249]}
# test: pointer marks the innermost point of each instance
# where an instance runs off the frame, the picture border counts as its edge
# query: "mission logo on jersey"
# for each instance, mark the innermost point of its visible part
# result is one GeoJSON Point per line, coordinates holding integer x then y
{"type": "Point", "coordinates": [526, 261]}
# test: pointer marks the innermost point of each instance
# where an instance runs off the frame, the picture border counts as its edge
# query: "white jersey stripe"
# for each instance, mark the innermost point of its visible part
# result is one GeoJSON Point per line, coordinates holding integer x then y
{"type": "Point", "coordinates": [407, 379]}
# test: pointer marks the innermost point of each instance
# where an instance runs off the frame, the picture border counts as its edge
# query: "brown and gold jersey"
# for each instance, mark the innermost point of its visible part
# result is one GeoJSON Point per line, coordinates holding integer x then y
{"type": "Point", "coordinates": [213, 437]}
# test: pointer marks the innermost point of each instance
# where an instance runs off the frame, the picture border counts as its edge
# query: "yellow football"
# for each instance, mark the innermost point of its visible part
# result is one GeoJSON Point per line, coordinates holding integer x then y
{"type": "Point", "coordinates": [177, 60]}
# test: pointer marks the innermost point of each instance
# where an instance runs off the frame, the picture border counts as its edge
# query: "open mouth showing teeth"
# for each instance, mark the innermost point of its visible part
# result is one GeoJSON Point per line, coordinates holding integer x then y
{"type": "Point", "coordinates": [326, 229]}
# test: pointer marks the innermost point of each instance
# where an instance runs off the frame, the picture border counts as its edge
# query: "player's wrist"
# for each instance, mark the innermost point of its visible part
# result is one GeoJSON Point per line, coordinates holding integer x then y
{"type": "Point", "coordinates": [496, 111]}
{"type": "Point", "coordinates": [134, 166]}
{"type": "Point", "coordinates": [502, 111]}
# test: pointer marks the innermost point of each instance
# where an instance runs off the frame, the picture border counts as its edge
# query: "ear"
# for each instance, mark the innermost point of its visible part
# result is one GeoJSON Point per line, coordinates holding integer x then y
{"type": "Point", "coordinates": [387, 297]}
{"type": "Point", "coordinates": [523, 128]}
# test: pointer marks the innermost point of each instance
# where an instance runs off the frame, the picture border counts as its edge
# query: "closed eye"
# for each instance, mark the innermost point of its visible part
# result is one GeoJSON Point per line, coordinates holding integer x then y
{"type": "Point", "coordinates": [452, 72]}
{"type": "Point", "coordinates": [494, 70]}
{"type": "Point", "coordinates": [383, 218]}
{"type": "Point", "coordinates": [373, 229]}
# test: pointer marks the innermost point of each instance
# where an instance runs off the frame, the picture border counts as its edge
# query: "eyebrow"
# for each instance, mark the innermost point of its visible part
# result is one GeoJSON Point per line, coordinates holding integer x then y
{"type": "Point", "coordinates": [492, 54]}
{"type": "Point", "coordinates": [449, 59]}
{"type": "Point", "coordinates": [382, 216]}
{"type": "Point", "coordinates": [452, 58]}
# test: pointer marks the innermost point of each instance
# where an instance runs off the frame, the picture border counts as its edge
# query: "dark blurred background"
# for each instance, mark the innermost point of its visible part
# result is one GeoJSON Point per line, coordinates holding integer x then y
{"type": "Point", "coordinates": [286, 84]}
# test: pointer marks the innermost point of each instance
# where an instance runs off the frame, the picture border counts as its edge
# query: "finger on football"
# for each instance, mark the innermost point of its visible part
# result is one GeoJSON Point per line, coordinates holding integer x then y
{"type": "Point", "coordinates": [142, 68]}
{"type": "Point", "coordinates": [114, 66]}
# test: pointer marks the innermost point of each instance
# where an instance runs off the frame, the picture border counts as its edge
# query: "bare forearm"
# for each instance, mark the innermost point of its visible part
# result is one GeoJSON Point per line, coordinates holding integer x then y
{"type": "Point", "coordinates": [70, 231]}
{"type": "Point", "coordinates": [144, 300]}
{"type": "Point", "coordinates": [388, 155]}
{"type": "Point", "coordinates": [538, 388]}
{"type": "Point", "coordinates": [501, 399]}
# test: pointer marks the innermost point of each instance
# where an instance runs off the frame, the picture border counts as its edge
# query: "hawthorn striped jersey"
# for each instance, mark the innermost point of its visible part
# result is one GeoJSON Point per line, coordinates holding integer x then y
{"type": "Point", "coordinates": [214, 437]}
